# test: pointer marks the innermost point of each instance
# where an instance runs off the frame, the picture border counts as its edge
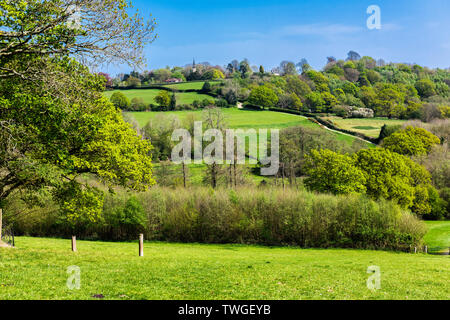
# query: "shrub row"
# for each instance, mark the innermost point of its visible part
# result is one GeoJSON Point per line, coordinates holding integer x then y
{"type": "Point", "coordinates": [268, 217]}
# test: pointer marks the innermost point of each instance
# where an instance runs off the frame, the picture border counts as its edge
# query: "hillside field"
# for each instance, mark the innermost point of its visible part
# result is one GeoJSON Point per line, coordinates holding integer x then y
{"type": "Point", "coordinates": [149, 95]}
{"type": "Point", "coordinates": [438, 234]}
{"type": "Point", "coordinates": [193, 85]}
{"type": "Point", "coordinates": [246, 119]}
{"type": "Point", "coordinates": [370, 127]}
{"type": "Point", "coordinates": [37, 269]}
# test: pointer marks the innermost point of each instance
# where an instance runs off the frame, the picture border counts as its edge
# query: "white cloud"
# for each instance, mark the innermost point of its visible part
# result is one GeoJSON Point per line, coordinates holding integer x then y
{"type": "Point", "coordinates": [318, 30]}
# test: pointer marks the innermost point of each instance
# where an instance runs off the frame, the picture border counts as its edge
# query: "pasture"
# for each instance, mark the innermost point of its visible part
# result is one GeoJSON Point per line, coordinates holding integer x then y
{"type": "Point", "coordinates": [438, 234]}
{"type": "Point", "coordinates": [370, 127]}
{"type": "Point", "coordinates": [194, 85]}
{"type": "Point", "coordinates": [149, 95]}
{"type": "Point", "coordinates": [238, 119]}
{"type": "Point", "coordinates": [37, 269]}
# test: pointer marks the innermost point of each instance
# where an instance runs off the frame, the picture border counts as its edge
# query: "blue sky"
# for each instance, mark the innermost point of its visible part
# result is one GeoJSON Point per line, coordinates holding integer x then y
{"type": "Point", "coordinates": [267, 32]}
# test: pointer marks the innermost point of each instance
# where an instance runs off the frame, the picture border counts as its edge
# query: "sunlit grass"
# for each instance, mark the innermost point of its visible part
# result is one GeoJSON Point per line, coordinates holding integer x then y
{"type": "Point", "coordinates": [36, 269]}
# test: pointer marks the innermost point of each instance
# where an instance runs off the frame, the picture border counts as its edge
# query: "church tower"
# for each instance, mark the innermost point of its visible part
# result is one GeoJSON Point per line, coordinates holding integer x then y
{"type": "Point", "coordinates": [194, 68]}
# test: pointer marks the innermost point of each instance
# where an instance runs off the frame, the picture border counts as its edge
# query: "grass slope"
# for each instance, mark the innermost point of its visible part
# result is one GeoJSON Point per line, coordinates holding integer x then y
{"type": "Point", "coordinates": [198, 85]}
{"type": "Point", "coordinates": [438, 234]}
{"type": "Point", "coordinates": [149, 95]}
{"type": "Point", "coordinates": [37, 270]}
{"type": "Point", "coordinates": [369, 127]}
{"type": "Point", "coordinates": [239, 119]}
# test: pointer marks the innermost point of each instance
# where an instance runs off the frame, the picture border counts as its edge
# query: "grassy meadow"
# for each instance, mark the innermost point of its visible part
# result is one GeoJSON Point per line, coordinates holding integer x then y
{"type": "Point", "coordinates": [37, 269]}
{"type": "Point", "coordinates": [194, 85]}
{"type": "Point", "coordinates": [438, 234]}
{"type": "Point", "coordinates": [370, 127]}
{"type": "Point", "coordinates": [246, 119]}
{"type": "Point", "coordinates": [149, 95]}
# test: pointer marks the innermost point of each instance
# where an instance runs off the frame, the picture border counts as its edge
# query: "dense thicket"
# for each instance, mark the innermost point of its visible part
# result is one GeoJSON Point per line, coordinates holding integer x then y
{"type": "Point", "coordinates": [270, 217]}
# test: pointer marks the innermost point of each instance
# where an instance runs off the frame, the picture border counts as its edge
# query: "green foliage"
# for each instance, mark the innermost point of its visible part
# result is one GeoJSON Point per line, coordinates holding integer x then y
{"type": "Point", "coordinates": [329, 100]}
{"type": "Point", "coordinates": [426, 88]}
{"type": "Point", "coordinates": [315, 101]}
{"type": "Point", "coordinates": [263, 96]}
{"type": "Point", "coordinates": [138, 104]}
{"type": "Point", "coordinates": [332, 172]}
{"type": "Point", "coordinates": [119, 100]}
{"type": "Point", "coordinates": [297, 86]}
{"type": "Point", "coordinates": [389, 102]}
{"type": "Point", "coordinates": [206, 87]}
{"type": "Point", "coordinates": [392, 176]}
{"type": "Point", "coordinates": [60, 135]}
{"type": "Point", "coordinates": [163, 99]}
{"type": "Point", "coordinates": [213, 74]}
{"type": "Point", "coordinates": [411, 141]}
{"type": "Point", "coordinates": [269, 217]}
{"type": "Point", "coordinates": [387, 130]}
{"type": "Point", "coordinates": [379, 173]}
{"type": "Point", "coordinates": [317, 77]}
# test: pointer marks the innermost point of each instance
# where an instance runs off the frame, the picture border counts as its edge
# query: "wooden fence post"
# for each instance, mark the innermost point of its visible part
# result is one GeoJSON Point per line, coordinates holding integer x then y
{"type": "Point", "coordinates": [74, 243]}
{"type": "Point", "coordinates": [426, 249]}
{"type": "Point", "coordinates": [141, 245]}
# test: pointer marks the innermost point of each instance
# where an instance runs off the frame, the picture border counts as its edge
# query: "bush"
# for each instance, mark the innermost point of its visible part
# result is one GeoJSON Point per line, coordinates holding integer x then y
{"type": "Point", "coordinates": [119, 100]}
{"type": "Point", "coordinates": [138, 104]}
{"type": "Point", "coordinates": [270, 217]}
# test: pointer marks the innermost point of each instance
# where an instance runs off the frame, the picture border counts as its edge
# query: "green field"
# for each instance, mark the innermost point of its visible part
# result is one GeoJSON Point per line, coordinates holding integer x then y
{"type": "Point", "coordinates": [37, 269]}
{"type": "Point", "coordinates": [149, 95]}
{"type": "Point", "coordinates": [189, 85]}
{"type": "Point", "coordinates": [247, 119]}
{"type": "Point", "coordinates": [370, 127]}
{"type": "Point", "coordinates": [438, 234]}
{"type": "Point", "coordinates": [239, 119]}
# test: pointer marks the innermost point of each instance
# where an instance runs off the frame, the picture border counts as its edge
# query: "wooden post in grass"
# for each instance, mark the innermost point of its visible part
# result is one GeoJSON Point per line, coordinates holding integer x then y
{"type": "Point", "coordinates": [74, 243]}
{"type": "Point", "coordinates": [141, 245]}
{"type": "Point", "coordinates": [426, 249]}
{"type": "Point", "coordinates": [415, 249]}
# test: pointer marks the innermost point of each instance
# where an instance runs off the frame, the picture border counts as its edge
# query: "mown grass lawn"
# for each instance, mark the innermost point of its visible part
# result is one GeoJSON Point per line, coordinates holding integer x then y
{"type": "Point", "coordinates": [148, 95]}
{"type": "Point", "coordinates": [37, 268]}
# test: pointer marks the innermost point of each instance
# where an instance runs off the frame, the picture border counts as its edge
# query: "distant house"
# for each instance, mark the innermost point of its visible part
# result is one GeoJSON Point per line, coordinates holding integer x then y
{"type": "Point", "coordinates": [275, 71]}
{"type": "Point", "coordinates": [173, 80]}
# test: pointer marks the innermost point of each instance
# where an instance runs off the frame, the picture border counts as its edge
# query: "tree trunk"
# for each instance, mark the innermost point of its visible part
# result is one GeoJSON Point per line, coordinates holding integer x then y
{"type": "Point", "coordinates": [184, 174]}
{"type": "Point", "coordinates": [1, 216]}
{"type": "Point", "coordinates": [235, 173]}
{"type": "Point", "coordinates": [214, 175]}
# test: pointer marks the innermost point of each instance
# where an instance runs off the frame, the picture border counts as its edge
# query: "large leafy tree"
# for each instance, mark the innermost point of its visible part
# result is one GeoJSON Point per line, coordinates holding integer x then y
{"type": "Point", "coordinates": [263, 96]}
{"type": "Point", "coordinates": [55, 124]}
{"type": "Point", "coordinates": [411, 141]}
{"type": "Point", "coordinates": [332, 172]}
